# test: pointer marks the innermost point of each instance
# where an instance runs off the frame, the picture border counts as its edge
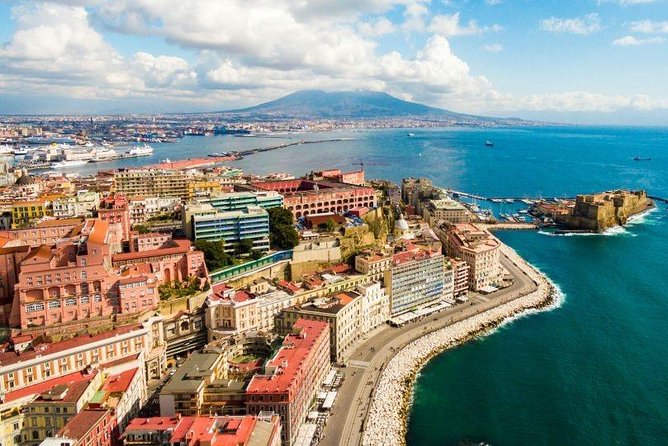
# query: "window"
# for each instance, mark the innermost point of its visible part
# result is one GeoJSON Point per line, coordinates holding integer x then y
{"type": "Point", "coordinates": [54, 304]}
{"type": "Point", "coordinates": [84, 275]}
{"type": "Point", "coordinates": [71, 301]}
{"type": "Point", "coordinates": [84, 299]}
{"type": "Point", "coordinates": [35, 435]}
{"type": "Point", "coordinates": [35, 307]}
{"type": "Point", "coordinates": [83, 262]}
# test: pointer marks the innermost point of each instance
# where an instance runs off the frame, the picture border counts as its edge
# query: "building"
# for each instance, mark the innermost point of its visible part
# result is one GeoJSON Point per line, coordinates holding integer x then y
{"type": "Point", "coordinates": [25, 212]}
{"type": "Point", "coordinates": [235, 201]}
{"type": "Point", "coordinates": [142, 208]}
{"type": "Point", "coordinates": [373, 264]}
{"type": "Point", "coordinates": [446, 210]}
{"type": "Point", "coordinates": [44, 361]}
{"type": "Point", "coordinates": [306, 197]}
{"type": "Point", "coordinates": [83, 204]}
{"type": "Point", "coordinates": [480, 250]}
{"type": "Point", "coordinates": [151, 182]}
{"type": "Point", "coordinates": [204, 222]}
{"type": "Point", "coordinates": [125, 393]}
{"type": "Point", "coordinates": [46, 232]}
{"type": "Point", "coordinates": [342, 312]}
{"type": "Point", "coordinates": [114, 210]}
{"type": "Point", "coordinates": [415, 190]}
{"type": "Point", "coordinates": [375, 305]}
{"type": "Point", "coordinates": [90, 427]}
{"type": "Point", "coordinates": [414, 279]}
{"type": "Point", "coordinates": [261, 430]}
{"type": "Point", "coordinates": [460, 271]}
{"type": "Point", "coordinates": [292, 377]}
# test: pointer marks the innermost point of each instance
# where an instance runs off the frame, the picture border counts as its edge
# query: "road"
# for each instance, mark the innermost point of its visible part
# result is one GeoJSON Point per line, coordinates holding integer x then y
{"type": "Point", "coordinates": [345, 424]}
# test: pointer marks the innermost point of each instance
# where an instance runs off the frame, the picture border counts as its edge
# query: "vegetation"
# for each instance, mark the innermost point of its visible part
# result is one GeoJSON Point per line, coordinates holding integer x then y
{"type": "Point", "coordinates": [176, 289]}
{"type": "Point", "coordinates": [215, 256]}
{"type": "Point", "coordinates": [244, 246]}
{"type": "Point", "coordinates": [256, 254]}
{"type": "Point", "coordinates": [162, 217]}
{"type": "Point", "coordinates": [142, 229]}
{"type": "Point", "coordinates": [282, 233]}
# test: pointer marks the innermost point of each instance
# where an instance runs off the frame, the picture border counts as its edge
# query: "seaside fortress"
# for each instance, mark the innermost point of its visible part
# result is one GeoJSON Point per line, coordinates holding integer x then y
{"type": "Point", "coordinates": [292, 377]}
{"type": "Point", "coordinates": [305, 197]}
{"type": "Point", "coordinates": [479, 249]}
{"type": "Point", "coordinates": [598, 212]}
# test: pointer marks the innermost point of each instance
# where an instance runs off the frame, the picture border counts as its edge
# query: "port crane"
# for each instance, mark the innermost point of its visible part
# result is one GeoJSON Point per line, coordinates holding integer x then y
{"type": "Point", "coordinates": [361, 163]}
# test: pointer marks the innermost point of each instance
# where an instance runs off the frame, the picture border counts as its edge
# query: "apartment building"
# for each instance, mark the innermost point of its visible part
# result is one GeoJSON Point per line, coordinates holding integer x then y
{"type": "Point", "coordinates": [151, 182]}
{"type": "Point", "coordinates": [446, 210]}
{"type": "Point", "coordinates": [480, 250]}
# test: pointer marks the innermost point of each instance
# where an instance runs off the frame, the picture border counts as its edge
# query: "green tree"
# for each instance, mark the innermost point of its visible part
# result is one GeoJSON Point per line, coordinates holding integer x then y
{"type": "Point", "coordinates": [279, 216]}
{"type": "Point", "coordinates": [142, 229]}
{"type": "Point", "coordinates": [330, 225]}
{"type": "Point", "coordinates": [244, 246]}
{"type": "Point", "coordinates": [256, 254]}
{"type": "Point", "coordinates": [215, 256]}
{"type": "Point", "coordinates": [283, 237]}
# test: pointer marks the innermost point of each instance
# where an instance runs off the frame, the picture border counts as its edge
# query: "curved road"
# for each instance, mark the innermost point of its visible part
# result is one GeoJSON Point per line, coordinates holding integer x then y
{"type": "Point", "coordinates": [346, 422]}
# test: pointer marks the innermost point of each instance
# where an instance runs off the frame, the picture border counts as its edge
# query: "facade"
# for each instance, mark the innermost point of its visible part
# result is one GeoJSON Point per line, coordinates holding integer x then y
{"type": "Point", "coordinates": [151, 182]}
{"type": "Point", "coordinates": [25, 212]}
{"type": "Point", "coordinates": [84, 204]}
{"type": "Point", "coordinates": [114, 210]}
{"type": "Point", "coordinates": [292, 377]}
{"type": "Point", "coordinates": [375, 305]}
{"type": "Point", "coordinates": [460, 270]}
{"type": "Point", "coordinates": [142, 208]}
{"type": "Point", "coordinates": [235, 201]}
{"type": "Point", "coordinates": [261, 430]}
{"type": "Point", "coordinates": [45, 233]}
{"type": "Point", "coordinates": [203, 222]}
{"type": "Point", "coordinates": [90, 427]}
{"type": "Point", "coordinates": [414, 280]}
{"type": "Point", "coordinates": [125, 393]}
{"type": "Point", "coordinates": [373, 264]}
{"type": "Point", "coordinates": [449, 211]}
{"type": "Point", "coordinates": [480, 250]}
{"type": "Point", "coordinates": [414, 190]}
{"type": "Point", "coordinates": [306, 197]}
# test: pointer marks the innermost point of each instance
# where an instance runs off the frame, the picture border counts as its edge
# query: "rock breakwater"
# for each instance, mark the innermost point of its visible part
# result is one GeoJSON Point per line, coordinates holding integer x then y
{"type": "Point", "coordinates": [390, 405]}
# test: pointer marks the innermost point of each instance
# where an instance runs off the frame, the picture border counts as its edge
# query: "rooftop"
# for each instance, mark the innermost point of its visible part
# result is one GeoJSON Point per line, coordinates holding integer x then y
{"type": "Point", "coordinates": [82, 423]}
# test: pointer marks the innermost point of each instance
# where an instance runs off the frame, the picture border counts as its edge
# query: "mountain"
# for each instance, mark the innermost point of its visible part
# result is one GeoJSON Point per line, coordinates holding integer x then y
{"type": "Point", "coordinates": [317, 104]}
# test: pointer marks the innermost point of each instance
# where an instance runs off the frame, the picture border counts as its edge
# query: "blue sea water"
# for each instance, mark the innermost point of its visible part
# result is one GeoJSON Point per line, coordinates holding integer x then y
{"type": "Point", "coordinates": [589, 372]}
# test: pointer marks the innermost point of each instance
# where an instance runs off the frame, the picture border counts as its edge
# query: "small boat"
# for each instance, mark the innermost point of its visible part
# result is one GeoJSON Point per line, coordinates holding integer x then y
{"type": "Point", "coordinates": [218, 154]}
{"type": "Point", "coordinates": [70, 163]}
{"type": "Point", "coordinates": [22, 151]}
{"type": "Point", "coordinates": [637, 158]}
{"type": "Point", "coordinates": [489, 143]}
{"type": "Point", "coordinates": [410, 134]}
{"type": "Point", "coordinates": [166, 160]}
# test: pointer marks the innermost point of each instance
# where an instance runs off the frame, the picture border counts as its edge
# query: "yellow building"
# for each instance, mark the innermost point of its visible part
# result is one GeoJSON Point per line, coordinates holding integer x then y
{"type": "Point", "coordinates": [23, 212]}
{"type": "Point", "coordinates": [202, 188]}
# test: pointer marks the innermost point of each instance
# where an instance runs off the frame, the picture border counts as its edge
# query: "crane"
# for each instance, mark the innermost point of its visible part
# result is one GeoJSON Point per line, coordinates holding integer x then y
{"type": "Point", "coordinates": [362, 163]}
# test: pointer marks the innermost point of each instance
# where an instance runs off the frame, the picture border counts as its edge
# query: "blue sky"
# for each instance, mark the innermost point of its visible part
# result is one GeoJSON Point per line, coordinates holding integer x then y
{"type": "Point", "coordinates": [585, 60]}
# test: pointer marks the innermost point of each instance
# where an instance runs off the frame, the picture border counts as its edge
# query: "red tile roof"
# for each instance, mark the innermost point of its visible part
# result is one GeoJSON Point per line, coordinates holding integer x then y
{"type": "Point", "coordinates": [36, 389]}
{"type": "Point", "coordinates": [183, 246]}
{"type": "Point", "coordinates": [119, 382]}
{"type": "Point", "coordinates": [83, 422]}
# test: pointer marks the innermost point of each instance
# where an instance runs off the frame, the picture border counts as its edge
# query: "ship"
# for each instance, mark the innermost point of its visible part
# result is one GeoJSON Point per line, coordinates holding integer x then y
{"type": "Point", "coordinates": [20, 151]}
{"type": "Point", "coordinates": [104, 154]}
{"type": "Point", "coordinates": [637, 158]}
{"type": "Point", "coordinates": [6, 149]}
{"type": "Point", "coordinates": [144, 150]}
{"type": "Point", "coordinates": [489, 143]}
{"type": "Point", "coordinates": [66, 164]}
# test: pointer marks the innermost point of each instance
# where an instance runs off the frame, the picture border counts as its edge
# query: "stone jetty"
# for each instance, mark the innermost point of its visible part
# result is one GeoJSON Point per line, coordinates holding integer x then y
{"type": "Point", "coordinates": [390, 405]}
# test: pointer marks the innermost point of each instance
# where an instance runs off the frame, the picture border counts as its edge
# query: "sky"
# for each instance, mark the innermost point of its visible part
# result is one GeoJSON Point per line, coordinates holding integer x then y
{"type": "Point", "coordinates": [572, 60]}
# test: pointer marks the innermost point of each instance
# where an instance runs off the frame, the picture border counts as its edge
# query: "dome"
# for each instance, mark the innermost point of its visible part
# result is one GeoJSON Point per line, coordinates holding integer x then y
{"type": "Point", "coordinates": [25, 180]}
{"type": "Point", "coordinates": [401, 224]}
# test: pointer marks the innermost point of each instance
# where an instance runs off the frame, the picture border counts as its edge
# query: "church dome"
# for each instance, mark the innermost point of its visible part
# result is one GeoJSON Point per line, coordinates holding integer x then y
{"type": "Point", "coordinates": [25, 180]}
{"type": "Point", "coordinates": [401, 224]}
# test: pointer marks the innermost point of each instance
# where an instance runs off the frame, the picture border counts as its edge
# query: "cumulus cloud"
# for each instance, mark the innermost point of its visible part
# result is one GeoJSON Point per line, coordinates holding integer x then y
{"type": "Point", "coordinates": [377, 28]}
{"type": "Point", "coordinates": [589, 24]}
{"type": "Point", "coordinates": [649, 27]}
{"type": "Point", "coordinates": [634, 41]}
{"type": "Point", "coordinates": [449, 26]}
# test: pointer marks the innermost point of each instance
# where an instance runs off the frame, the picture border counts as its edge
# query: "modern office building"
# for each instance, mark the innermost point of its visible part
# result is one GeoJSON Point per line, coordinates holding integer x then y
{"type": "Point", "coordinates": [415, 279]}
{"type": "Point", "coordinates": [235, 201]}
{"type": "Point", "coordinates": [204, 222]}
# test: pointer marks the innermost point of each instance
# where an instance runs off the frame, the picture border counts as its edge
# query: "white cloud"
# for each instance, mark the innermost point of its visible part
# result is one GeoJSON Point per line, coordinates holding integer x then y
{"type": "Point", "coordinates": [493, 47]}
{"type": "Point", "coordinates": [377, 28]}
{"type": "Point", "coordinates": [648, 27]}
{"type": "Point", "coordinates": [448, 26]}
{"type": "Point", "coordinates": [589, 24]}
{"type": "Point", "coordinates": [493, 2]}
{"type": "Point", "coordinates": [634, 41]}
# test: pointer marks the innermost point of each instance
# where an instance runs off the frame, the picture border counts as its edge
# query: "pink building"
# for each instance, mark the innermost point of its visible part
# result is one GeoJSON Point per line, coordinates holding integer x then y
{"type": "Point", "coordinates": [114, 210]}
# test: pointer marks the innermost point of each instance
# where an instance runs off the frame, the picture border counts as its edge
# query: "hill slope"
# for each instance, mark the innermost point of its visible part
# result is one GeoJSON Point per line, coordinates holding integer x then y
{"type": "Point", "coordinates": [345, 105]}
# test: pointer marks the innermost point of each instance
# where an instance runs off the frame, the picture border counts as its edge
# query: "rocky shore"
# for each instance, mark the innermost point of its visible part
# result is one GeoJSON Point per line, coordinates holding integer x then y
{"type": "Point", "coordinates": [390, 405]}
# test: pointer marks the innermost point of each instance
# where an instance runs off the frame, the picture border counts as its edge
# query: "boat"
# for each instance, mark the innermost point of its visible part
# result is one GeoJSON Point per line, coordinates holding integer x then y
{"type": "Point", "coordinates": [218, 154]}
{"type": "Point", "coordinates": [66, 164]}
{"type": "Point", "coordinates": [410, 134]}
{"type": "Point", "coordinates": [166, 160]}
{"type": "Point", "coordinates": [21, 151]}
{"type": "Point", "coordinates": [144, 150]}
{"type": "Point", "coordinates": [637, 158]}
{"type": "Point", "coordinates": [509, 200]}
{"type": "Point", "coordinates": [104, 154]}
{"type": "Point", "coordinates": [489, 143]}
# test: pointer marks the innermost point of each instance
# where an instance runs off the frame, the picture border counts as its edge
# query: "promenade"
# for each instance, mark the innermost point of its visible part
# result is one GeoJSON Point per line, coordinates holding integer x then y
{"type": "Point", "coordinates": [369, 363]}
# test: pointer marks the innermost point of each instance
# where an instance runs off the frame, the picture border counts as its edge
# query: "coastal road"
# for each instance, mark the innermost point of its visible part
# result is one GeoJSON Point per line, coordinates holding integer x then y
{"type": "Point", "coordinates": [346, 422]}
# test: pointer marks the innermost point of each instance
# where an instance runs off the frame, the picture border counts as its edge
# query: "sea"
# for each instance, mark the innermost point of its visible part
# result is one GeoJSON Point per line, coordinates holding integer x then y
{"type": "Point", "coordinates": [592, 370]}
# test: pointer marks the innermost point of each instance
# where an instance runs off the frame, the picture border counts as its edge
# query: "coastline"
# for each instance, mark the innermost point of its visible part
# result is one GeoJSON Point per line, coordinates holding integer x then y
{"type": "Point", "coordinates": [387, 419]}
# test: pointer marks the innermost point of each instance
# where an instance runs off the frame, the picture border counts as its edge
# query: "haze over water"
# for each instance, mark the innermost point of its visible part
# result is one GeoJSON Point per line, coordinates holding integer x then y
{"type": "Point", "coordinates": [590, 372]}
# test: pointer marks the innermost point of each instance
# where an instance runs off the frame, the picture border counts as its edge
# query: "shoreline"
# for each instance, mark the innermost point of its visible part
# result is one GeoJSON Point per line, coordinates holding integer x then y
{"type": "Point", "coordinates": [387, 419]}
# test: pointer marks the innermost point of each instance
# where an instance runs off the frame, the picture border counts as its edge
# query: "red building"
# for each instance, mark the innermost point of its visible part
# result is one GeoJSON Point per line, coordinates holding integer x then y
{"type": "Point", "coordinates": [78, 278]}
{"type": "Point", "coordinates": [90, 427]}
{"type": "Point", "coordinates": [292, 377]}
{"type": "Point", "coordinates": [264, 430]}
{"type": "Point", "coordinates": [306, 197]}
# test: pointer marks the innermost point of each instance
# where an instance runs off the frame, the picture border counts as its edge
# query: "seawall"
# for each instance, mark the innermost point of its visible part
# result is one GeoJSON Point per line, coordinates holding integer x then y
{"type": "Point", "coordinates": [388, 415]}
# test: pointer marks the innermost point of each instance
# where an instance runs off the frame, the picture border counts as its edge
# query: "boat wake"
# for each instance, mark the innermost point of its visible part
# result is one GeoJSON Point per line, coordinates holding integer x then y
{"type": "Point", "coordinates": [617, 230]}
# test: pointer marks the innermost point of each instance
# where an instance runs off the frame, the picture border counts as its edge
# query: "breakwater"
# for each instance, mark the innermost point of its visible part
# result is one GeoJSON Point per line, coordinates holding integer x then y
{"type": "Point", "coordinates": [388, 414]}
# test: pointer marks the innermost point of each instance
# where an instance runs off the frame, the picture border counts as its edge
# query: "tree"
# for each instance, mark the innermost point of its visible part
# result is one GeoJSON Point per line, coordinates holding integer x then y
{"type": "Point", "coordinates": [142, 229]}
{"type": "Point", "coordinates": [243, 247]}
{"type": "Point", "coordinates": [330, 225]}
{"type": "Point", "coordinates": [279, 216]}
{"type": "Point", "coordinates": [282, 233]}
{"type": "Point", "coordinates": [256, 254]}
{"type": "Point", "coordinates": [283, 237]}
{"type": "Point", "coordinates": [215, 256]}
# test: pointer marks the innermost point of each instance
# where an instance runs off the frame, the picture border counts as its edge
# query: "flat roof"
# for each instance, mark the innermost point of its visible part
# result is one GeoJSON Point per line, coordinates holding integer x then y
{"type": "Point", "coordinates": [190, 376]}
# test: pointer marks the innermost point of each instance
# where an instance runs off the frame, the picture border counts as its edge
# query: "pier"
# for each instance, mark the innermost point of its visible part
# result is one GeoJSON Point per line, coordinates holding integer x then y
{"type": "Point", "coordinates": [659, 199]}
{"type": "Point", "coordinates": [525, 200]}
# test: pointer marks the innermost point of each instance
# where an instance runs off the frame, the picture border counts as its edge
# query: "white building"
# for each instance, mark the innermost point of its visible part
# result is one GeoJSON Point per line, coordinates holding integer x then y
{"type": "Point", "coordinates": [375, 306]}
{"type": "Point", "coordinates": [82, 205]}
